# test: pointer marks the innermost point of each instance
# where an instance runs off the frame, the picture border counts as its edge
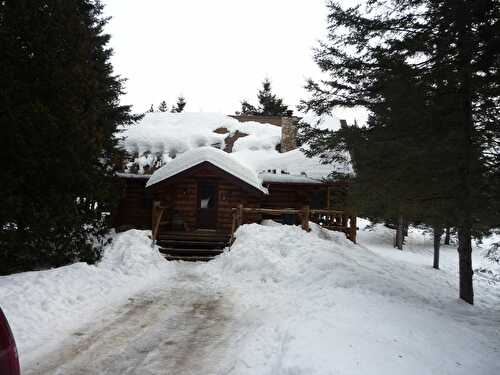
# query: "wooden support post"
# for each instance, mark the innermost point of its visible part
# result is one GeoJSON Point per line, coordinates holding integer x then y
{"type": "Point", "coordinates": [353, 229]}
{"type": "Point", "coordinates": [306, 213]}
{"type": "Point", "coordinates": [240, 214]}
{"type": "Point", "coordinates": [156, 215]}
{"type": "Point", "coordinates": [233, 226]}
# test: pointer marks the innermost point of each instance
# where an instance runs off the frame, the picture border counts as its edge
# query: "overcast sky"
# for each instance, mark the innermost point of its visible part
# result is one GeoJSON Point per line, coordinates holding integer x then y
{"type": "Point", "coordinates": [215, 52]}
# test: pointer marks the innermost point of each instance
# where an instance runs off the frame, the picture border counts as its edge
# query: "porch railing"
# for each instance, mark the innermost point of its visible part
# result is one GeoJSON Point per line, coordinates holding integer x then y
{"type": "Point", "coordinates": [335, 220]}
{"type": "Point", "coordinates": [156, 216]}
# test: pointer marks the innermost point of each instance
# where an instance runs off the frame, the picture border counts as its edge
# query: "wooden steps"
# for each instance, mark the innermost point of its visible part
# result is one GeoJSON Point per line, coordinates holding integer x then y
{"type": "Point", "coordinates": [200, 245]}
{"type": "Point", "coordinates": [190, 258]}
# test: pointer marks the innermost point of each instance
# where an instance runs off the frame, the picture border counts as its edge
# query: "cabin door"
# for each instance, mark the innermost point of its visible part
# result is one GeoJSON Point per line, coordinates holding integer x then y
{"type": "Point", "coordinates": [207, 205]}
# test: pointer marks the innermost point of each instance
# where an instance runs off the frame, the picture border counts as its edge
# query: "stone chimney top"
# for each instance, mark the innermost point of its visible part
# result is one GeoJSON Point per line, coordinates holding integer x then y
{"type": "Point", "coordinates": [288, 133]}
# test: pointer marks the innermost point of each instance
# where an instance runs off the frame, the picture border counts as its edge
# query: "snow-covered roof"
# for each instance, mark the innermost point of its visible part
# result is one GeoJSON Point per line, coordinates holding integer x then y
{"type": "Point", "coordinates": [216, 157]}
{"type": "Point", "coordinates": [161, 137]}
{"type": "Point", "coordinates": [133, 175]}
{"type": "Point", "coordinates": [172, 133]}
{"type": "Point", "coordinates": [285, 178]}
{"type": "Point", "coordinates": [289, 165]}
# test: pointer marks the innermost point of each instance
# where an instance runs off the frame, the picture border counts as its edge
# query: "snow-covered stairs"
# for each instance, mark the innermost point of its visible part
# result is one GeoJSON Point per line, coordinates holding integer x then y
{"type": "Point", "coordinates": [200, 245]}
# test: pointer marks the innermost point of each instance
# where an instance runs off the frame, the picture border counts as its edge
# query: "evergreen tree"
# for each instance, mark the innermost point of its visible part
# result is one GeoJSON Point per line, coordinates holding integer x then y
{"type": "Point", "coordinates": [445, 164]}
{"type": "Point", "coordinates": [248, 109]}
{"type": "Point", "coordinates": [270, 104]}
{"type": "Point", "coordinates": [151, 109]}
{"type": "Point", "coordinates": [59, 112]}
{"type": "Point", "coordinates": [179, 106]}
{"type": "Point", "coordinates": [163, 106]}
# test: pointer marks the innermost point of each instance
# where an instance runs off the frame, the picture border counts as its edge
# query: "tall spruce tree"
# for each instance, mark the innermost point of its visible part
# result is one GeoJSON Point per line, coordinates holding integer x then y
{"type": "Point", "coordinates": [179, 106]}
{"type": "Point", "coordinates": [269, 103]}
{"type": "Point", "coordinates": [445, 167]}
{"type": "Point", "coordinates": [59, 112]}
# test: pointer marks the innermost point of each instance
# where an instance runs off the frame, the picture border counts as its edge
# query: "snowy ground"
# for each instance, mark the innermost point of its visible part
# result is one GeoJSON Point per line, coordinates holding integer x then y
{"type": "Point", "coordinates": [283, 301]}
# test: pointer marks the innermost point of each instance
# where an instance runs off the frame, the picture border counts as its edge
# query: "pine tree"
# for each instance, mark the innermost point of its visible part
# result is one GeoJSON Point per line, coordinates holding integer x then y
{"type": "Point", "coordinates": [248, 109]}
{"type": "Point", "coordinates": [59, 112]}
{"type": "Point", "coordinates": [151, 109]}
{"type": "Point", "coordinates": [445, 168]}
{"type": "Point", "coordinates": [179, 106]}
{"type": "Point", "coordinates": [163, 106]}
{"type": "Point", "coordinates": [270, 104]}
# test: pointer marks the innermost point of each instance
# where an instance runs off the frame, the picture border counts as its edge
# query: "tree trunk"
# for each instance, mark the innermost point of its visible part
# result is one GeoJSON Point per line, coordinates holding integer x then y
{"type": "Point", "coordinates": [447, 236]}
{"type": "Point", "coordinates": [438, 231]}
{"type": "Point", "coordinates": [464, 59]}
{"type": "Point", "coordinates": [465, 264]}
{"type": "Point", "coordinates": [398, 241]}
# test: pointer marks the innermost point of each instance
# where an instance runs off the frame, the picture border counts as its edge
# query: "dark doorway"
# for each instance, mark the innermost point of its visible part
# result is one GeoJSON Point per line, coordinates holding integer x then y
{"type": "Point", "coordinates": [207, 205]}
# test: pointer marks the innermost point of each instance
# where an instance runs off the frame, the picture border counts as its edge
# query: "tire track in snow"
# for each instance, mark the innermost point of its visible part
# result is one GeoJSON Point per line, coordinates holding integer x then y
{"type": "Point", "coordinates": [169, 330]}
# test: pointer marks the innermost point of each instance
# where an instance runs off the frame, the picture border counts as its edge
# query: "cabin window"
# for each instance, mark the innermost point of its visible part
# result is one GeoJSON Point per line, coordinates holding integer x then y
{"type": "Point", "coordinates": [207, 195]}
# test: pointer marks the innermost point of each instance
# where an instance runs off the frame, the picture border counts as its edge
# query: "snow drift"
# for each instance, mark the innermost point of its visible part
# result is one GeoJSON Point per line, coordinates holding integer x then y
{"type": "Point", "coordinates": [294, 303]}
{"type": "Point", "coordinates": [44, 306]}
{"type": "Point", "coordinates": [314, 303]}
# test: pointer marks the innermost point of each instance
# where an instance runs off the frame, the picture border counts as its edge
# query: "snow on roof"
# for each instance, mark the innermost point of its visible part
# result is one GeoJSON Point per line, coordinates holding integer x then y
{"type": "Point", "coordinates": [289, 165]}
{"type": "Point", "coordinates": [172, 133]}
{"type": "Point", "coordinates": [218, 158]}
{"type": "Point", "coordinates": [161, 137]}
{"type": "Point", "coordinates": [133, 175]}
{"type": "Point", "coordinates": [268, 177]}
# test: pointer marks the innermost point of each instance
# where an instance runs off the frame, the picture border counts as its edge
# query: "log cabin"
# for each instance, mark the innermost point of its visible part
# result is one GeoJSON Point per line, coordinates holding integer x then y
{"type": "Point", "coordinates": [194, 202]}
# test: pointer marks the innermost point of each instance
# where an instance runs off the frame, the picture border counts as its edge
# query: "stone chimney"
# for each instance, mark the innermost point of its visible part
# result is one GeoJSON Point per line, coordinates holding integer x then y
{"type": "Point", "coordinates": [288, 133]}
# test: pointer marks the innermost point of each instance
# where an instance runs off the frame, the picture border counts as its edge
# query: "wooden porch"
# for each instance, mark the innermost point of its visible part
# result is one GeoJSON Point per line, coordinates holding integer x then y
{"type": "Point", "coordinates": [335, 220]}
{"type": "Point", "coordinates": [203, 244]}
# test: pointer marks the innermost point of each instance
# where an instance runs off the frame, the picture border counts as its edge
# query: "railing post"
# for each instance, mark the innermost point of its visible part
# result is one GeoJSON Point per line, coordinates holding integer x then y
{"type": "Point", "coordinates": [240, 215]}
{"type": "Point", "coordinates": [352, 228]}
{"type": "Point", "coordinates": [233, 225]}
{"type": "Point", "coordinates": [154, 219]}
{"type": "Point", "coordinates": [306, 214]}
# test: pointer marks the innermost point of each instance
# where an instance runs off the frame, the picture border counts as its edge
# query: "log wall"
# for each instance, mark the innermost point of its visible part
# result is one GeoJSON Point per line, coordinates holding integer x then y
{"type": "Point", "coordinates": [181, 194]}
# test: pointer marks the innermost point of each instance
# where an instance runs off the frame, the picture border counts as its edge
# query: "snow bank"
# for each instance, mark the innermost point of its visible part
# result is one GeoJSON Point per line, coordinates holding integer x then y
{"type": "Point", "coordinates": [45, 306]}
{"type": "Point", "coordinates": [219, 158]}
{"type": "Point", "coordinates": [314, 303]}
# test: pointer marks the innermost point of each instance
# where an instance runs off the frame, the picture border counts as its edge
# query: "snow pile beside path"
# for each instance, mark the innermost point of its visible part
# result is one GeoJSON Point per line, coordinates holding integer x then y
{"type": "Point", "coordinates": [275, 253]}
{"type": "Point", "coordinates": [131, 254]}
{"type": "Point", "coordinates": [45, 306]}
{"type": "Point", "coordinates": [314, 303]}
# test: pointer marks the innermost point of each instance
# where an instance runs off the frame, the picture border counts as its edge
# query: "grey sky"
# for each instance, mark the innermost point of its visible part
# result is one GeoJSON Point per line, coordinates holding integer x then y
{"type": "Point", "coordinates": [215, 52]}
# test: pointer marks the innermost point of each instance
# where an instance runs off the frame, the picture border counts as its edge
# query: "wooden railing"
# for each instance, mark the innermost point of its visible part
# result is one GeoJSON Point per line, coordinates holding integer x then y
{"type": "Point", "coordinates": [334, 220]}
{"type": "Point", "coordinates": [156, 216]}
